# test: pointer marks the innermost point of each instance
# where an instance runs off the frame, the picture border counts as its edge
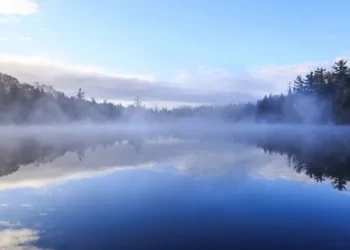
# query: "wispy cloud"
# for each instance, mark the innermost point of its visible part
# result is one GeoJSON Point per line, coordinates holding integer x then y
{"type": "Point", "coordinates": [199, 86]}
{"type": "Point", "coordinates": [18, 7]}
{"type": "Point", "coordinates": [3, 38]}
{"type": "Point", "coordinates": [112, 85]}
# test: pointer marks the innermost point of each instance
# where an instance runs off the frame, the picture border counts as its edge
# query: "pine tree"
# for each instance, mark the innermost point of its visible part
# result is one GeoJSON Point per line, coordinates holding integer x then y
{"type": "Point", "coordinates": [137, 102]}
{"type": "Point", "coordinates": [80, 94]}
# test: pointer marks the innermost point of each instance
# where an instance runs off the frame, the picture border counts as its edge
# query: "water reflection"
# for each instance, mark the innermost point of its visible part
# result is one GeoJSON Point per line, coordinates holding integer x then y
{"type": "Point", "coordinates": [13, 236]}
{"type": "Point", "coordinates": [27, 151]}
{"type": "Point", "coordinates": [321, 158]}
{"type": "Point", "coordinates": [122, 191]}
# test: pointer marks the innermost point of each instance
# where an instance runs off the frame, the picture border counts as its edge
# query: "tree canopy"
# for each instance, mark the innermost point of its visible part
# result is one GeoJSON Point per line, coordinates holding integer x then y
{"type": "Point", "coordinates": [321, 96]}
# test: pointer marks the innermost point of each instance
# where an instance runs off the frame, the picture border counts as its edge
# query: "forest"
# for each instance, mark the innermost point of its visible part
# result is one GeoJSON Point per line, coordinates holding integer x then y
{"type": "Point", "coordinates": [320, 97]}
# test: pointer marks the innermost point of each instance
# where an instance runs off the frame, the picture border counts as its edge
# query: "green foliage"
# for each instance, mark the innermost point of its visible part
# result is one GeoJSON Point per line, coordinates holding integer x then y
{"type": "Point", "coordinates": [320, 97]}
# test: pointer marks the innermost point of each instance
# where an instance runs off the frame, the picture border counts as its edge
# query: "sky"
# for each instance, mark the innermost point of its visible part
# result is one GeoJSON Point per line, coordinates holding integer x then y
{"type": "Point", "coordinates": [170, 52]}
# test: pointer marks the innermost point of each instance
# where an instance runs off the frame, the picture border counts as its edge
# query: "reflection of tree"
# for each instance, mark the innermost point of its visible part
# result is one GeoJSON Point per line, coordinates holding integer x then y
{"type": "Point", "coordinates": [29, 150]}
{"type": "Point", "coordinates": [81, 154]}
{"type": "Point", "coordinates": [136, 144]}
{"type": "Point", "coordinates": [320, 158]}
{"type": "Point", "coordinates": [8, 169]}
{"type": "Point", "coordinates": [339, 183]}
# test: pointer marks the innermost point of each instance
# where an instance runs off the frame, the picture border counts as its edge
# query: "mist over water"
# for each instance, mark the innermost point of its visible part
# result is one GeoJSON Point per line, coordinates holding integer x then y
{"type": "Point", "coordinates": [154, 137]}
{"type": "Point", "coordinates": [313, 141]}
{"type": "Point", "coordinates": [184, 185]}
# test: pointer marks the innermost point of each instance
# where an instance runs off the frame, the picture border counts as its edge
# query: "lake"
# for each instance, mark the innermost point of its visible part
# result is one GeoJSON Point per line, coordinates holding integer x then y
{"type": "Point", "coordinates": [273, 189]}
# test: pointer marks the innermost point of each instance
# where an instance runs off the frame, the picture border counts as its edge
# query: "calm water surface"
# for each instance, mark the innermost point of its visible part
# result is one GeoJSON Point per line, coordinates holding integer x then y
{"type": "Point", "coordinates": [173, 192]}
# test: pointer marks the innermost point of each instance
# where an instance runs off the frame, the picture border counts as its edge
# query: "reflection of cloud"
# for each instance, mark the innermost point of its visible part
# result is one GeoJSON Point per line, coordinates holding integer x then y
{"type": "Point", "coordinates": [277, 169]}
{"type": "Point", "coordinates": [26, 205]}
{"type": "Point", "coordinates": [13, 239]}
{"type": "Point", "coordinates": [36, 181]}
{"type": "Point", "coordinates": [7, 224]}
{"type": "Point", "coordinates": [217, 162]}
{"type": "Point", "coordinates": [97, 162]}
{"type": "Point", "coordinates": [167, 140]}
{"type": "Point", "coordinates": [195, 158]}
{"type": "Point", "coordinates": [238, 161]}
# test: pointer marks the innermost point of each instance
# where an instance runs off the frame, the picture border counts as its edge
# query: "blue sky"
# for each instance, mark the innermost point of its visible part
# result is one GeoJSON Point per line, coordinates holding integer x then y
{"type": "Point", "coordinates": [214, 46]}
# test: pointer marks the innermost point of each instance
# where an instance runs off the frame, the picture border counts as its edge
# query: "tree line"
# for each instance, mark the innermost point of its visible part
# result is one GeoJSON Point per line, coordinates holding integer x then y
{"type": "Point", "coordinates": [23, 103]}
{"type": "Point", "coordinates": [321, 96]}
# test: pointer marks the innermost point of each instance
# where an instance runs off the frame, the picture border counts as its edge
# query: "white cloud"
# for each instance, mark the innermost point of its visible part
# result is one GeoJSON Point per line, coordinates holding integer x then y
{"type": "Point", "coordinates": [199, 86]}
{"type": "Point", "coordinates": [18, 7]}
{"type": "Point", "coordinates": [3, 38]}
{"type": "Point", "coordinates": [108, 84]}
{"type": "Point", "coordinates": [3, 205]}
{"type": "Point", "coordinates": [60, 67]}
{"type": "Point", "coordinates": [258, 81]}
{"type": "Point", "coordinates": [278, 76]}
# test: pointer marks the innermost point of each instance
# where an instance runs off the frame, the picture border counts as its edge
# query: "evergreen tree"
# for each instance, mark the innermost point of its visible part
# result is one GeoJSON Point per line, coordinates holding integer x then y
{"type": "Point", "coordinates": [80, 94]}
